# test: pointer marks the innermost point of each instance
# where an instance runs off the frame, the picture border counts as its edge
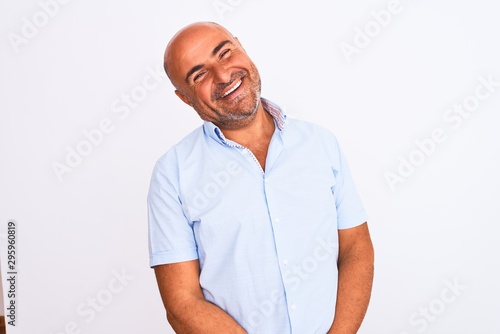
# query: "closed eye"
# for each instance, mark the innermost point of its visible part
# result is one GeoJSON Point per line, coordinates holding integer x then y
{"type": "Point", "coordinates": [198, 76]}
{"type": "Point", "coordinates": [225, 54]}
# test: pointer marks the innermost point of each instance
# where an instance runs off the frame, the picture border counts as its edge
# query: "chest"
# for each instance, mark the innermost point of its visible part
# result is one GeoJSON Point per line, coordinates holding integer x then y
{"type": "Point", "coordinates": [259, 150]}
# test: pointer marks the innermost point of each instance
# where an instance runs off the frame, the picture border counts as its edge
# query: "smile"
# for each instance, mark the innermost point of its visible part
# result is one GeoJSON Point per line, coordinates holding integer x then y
{"type": "Point", "coordinates": [232, 89]}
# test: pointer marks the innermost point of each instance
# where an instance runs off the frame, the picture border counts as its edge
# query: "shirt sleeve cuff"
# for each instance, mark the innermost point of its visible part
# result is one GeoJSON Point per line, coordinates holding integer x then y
{"type": "Point", "coordinates": [173, 257]}
{"type": "Point", "coordinates": [353, 221]}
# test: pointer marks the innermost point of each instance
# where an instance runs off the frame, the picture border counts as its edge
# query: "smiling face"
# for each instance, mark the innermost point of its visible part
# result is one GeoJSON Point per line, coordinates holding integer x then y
{"type": "Point", "coordinates": [213, 74]}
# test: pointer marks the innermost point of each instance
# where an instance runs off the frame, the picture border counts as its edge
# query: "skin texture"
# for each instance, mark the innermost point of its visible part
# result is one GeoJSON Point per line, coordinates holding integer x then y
{"type": "Point", "coordinates": [204, 62]}
{"type": "Point", "coordinates": [355, 265]}
{"type": "Point", "coordinates": [187, 310]}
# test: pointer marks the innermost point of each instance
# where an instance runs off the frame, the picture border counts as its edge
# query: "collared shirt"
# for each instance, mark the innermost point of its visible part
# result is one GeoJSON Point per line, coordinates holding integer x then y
{"type": "Point", "coordinates": [266, 241]}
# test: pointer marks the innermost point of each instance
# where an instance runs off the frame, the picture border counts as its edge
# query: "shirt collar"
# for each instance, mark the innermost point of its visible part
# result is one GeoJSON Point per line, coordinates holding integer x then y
{"type": "Point", "coordinates": [271, 108]}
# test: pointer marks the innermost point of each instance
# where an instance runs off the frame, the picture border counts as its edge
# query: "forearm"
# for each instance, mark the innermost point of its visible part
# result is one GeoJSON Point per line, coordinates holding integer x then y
{"type": "Point", "coordinates": [201, 316]}
{"type": "Point", "coordinates": [354, 289]}
{"type": "Point", "coordinates": [188, 312]}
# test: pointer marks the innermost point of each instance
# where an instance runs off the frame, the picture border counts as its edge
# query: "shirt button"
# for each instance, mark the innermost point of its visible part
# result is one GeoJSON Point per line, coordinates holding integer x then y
{"type": "Point", "coordinates": [285, 262]}
{"type": "Point", "coordinates": [266, 180]}
{"type": "Point", "coordinates": [276, 220]}
{"type": "Point", "coordinates": [293, 307]}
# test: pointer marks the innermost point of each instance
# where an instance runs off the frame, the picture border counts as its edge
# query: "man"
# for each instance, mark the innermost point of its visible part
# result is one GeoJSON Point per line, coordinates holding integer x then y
{"type": "Point", "coordinates": [255, 224]}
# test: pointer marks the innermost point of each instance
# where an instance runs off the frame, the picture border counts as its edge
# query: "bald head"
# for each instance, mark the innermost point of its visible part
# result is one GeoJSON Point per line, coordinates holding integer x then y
{"type": "Point", "coordinates": [187, 40]}
{"type": "Point", "coordinates": [212, 73]}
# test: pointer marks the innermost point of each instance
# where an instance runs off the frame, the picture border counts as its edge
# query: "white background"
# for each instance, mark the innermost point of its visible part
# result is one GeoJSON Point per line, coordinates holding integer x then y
{"type": "Point", "coordinates": [439, 225]}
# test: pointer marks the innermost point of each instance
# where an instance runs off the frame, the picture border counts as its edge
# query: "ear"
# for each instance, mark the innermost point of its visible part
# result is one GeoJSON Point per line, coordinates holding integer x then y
{"type": "Point", "coordinates": [183, 97]}
{"type": "Point", "coordinates": [239, 44]}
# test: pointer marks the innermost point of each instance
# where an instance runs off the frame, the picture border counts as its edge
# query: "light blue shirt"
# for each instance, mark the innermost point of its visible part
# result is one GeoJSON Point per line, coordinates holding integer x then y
{"type": "Point", "coordinates": [266, 241]}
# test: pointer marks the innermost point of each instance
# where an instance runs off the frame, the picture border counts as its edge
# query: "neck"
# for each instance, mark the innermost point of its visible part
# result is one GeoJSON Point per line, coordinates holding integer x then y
{"type": "Point", "coordinates": [261, 128]}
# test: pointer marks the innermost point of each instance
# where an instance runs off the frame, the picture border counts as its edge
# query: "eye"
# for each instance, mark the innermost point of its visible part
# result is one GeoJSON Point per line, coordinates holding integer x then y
{"type": "Point", "coordinates": [225, 54]}
{"type": "Point", "coordinates": [198, 76]}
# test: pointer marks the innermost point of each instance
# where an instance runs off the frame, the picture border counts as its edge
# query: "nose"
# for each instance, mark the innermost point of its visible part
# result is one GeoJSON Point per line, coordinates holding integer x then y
{"type": "Point", "coordinates": [221, 74]}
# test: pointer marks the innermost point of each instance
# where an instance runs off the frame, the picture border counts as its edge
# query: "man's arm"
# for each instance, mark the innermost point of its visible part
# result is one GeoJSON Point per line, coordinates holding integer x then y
{"type": "Point", "coordinates": [187, 309]}
{"type": "Point", "coordinates": [355, 265]}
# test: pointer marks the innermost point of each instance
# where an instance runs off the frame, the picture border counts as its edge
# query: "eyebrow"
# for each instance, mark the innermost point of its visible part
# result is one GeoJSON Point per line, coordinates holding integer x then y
{"type": "Point", "coordinates": [191, 71]}
{"type": "Point", "coordinates": [219, 46]}
{"type": "Point", "coordinates": [214, 52]}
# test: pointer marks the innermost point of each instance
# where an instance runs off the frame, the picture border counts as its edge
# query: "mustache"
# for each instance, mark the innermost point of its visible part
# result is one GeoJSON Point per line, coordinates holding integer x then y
{"type": "Point", "coordinates": [220, 88]}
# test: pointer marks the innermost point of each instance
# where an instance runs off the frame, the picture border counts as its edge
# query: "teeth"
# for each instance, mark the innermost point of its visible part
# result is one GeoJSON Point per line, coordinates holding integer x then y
{"type": "Point", "coordinates": [232, 89]}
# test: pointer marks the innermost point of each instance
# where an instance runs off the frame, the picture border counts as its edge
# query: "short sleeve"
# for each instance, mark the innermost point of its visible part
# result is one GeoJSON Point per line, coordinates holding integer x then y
{"type": "Point", "coordinates": [350, 209]}
{"type": "Point", "coordinates": [171, 237]}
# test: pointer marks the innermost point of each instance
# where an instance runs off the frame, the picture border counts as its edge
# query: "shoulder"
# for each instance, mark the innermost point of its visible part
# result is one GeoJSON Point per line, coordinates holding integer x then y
{"type": "Point", "coordinates": [183, 147]}
{"type": "Point", "coordinates": [307, 129]}
{"type": "Point", "coordinates": [316, 137]}
{"type": "Point", "coordinates": [170, 164]}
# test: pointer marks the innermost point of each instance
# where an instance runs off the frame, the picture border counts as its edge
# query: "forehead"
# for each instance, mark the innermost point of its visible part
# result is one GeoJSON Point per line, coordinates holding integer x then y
{"type": "Point", "coordinates": [194, 46]}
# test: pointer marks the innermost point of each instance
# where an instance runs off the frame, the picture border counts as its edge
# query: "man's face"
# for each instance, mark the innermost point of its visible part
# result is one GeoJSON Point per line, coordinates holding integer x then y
{"type": "Point", "coordinates": [214, 75]}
